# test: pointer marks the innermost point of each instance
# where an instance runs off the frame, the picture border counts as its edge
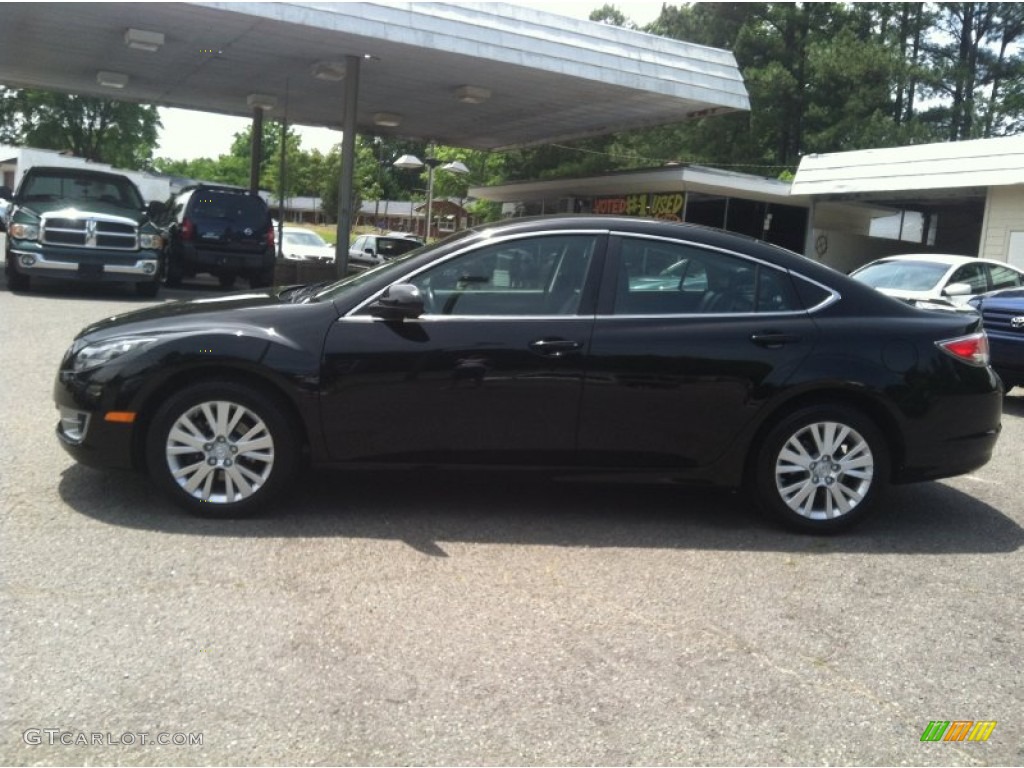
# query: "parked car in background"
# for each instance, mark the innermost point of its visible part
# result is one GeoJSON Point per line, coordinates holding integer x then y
{"type": "Point", "coordinates": [299, 244]}
{"type": "Point", "coordinates": [222, 231]}
{"type": "Point", "coordinates": [938, 281]}
{"type": "Point", "coordinates": [525, 344]}
{"type": "Point", "coordinates": [1002, 314]}
{"type": "Point", "coordinates": [84, 225]}
{"type": "Point", "coordinates": [372, 250]}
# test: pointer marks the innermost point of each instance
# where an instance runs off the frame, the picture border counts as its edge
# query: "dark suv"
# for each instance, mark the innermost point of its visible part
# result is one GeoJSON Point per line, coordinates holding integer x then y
{"type": "Point", "coordinates": [223, 231]}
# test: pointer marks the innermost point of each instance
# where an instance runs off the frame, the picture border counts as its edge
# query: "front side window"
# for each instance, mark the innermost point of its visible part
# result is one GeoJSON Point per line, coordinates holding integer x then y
{"type": "Point", "coordinates": [542, 275]}
{"type": "Point", "coordinates": [971, 274]}
{"type": "Point", "coordinates": [658, 278]}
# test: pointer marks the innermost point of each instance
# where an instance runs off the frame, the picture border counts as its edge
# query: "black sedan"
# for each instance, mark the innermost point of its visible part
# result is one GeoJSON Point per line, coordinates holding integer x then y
{"type": "Point", "coordinates": [1003, 315]}
{"type": "Point", "coordinates": [552, 342]}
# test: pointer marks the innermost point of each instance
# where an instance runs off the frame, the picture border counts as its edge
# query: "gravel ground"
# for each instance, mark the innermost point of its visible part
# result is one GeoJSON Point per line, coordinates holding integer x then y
{"type": "Point", "coordinates": [438, 618]}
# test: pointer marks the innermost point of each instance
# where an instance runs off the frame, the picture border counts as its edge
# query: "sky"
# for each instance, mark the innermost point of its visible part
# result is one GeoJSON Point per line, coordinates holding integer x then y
{"type": "Point", "coordinates": [187, 135]}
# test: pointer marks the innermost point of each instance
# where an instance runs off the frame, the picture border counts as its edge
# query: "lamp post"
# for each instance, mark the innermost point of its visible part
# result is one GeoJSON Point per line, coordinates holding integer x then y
{"type": "Point", "coordinates": [411, 162]}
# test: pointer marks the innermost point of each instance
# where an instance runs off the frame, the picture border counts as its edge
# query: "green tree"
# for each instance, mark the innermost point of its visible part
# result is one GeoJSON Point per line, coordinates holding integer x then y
{"type": "Point", "coordinates": [120, 133]}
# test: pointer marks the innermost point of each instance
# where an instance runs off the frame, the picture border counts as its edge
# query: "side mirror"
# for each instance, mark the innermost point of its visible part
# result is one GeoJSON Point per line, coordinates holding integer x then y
{"type": "Point", "coordinates": [399, 302]}
{"type": "Point", "coordinates": [957, 289]}
{"type": "Point", "coordinates": [369, 252]}
{"type": "Point", "coordinates": [155, 209]}
{"type": "Point", "coordinates": [6, 193]}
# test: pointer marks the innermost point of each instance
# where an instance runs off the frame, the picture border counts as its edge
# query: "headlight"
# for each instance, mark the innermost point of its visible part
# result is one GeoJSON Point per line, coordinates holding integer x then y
{"type": "Point", "coordinates": [293, 257]}
{"type": "Point", "coordinates": [101, 353]}
{"type": "Point", "coordinates": [24, 231]}
{"type": "Point", "coordinates": [152, 242]}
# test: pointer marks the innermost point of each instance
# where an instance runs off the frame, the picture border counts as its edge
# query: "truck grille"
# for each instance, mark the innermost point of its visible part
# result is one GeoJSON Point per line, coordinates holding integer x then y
{"type": "Point", "coordinates": [90, 232]}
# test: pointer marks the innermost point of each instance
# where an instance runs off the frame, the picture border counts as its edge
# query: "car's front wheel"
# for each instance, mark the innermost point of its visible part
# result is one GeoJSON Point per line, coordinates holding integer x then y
{"type": "Point", "coordinates": [821, 469]}
{"type": "Point", "coordinates": [221, 449]}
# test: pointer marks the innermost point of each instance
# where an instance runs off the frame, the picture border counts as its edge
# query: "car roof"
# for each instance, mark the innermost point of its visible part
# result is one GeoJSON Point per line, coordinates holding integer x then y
{"type": "Point", "coordinates": [948, 259]}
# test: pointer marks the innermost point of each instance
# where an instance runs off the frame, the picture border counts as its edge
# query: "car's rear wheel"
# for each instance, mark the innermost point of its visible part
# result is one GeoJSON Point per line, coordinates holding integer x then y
{"type": "Point", "coordinates": [221, 449]}
{"type": "Point", "coordinates": [821, 469]}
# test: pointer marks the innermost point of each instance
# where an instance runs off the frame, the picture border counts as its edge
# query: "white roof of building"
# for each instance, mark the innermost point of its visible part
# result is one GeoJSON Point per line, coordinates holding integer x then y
{"type": "Point", "coordinates": [978, 163]}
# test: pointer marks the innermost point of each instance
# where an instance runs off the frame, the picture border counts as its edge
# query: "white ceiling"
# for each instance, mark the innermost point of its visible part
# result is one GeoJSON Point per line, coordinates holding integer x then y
{"type": "Point", "coordinates": [551, 78]}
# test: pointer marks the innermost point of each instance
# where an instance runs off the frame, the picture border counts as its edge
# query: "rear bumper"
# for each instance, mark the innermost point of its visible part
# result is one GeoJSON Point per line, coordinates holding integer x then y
{"type": "Point", "coordinates": [215, 261]}
{"type": "Point", "coordinates": [961, 435]}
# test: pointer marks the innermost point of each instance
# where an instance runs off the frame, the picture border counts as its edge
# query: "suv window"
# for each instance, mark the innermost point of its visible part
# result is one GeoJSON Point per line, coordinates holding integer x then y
{"type": "Point", "coordinates": [245, 211]}
{"type": "Point", "coordinates": [389, 247]}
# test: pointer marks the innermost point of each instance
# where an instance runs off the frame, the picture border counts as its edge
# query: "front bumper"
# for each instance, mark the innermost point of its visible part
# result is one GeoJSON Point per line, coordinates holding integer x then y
{"type": "Point", "coordinates": [83, 429]}
{"type": "Point", "coordinates": [96, 266]}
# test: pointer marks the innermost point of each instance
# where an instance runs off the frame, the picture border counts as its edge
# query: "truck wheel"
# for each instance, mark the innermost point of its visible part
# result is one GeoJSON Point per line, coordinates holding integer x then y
{"type": "Point", "coordinates": [15, 280]}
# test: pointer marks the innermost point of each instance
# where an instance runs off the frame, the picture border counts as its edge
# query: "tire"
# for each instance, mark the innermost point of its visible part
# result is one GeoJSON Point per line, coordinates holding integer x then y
{"type": "Point", "coordinates": [206, 468]}
{"type": "Point", "coordinates": [174, 274]}
{"type": "Point", "coordinates": [148, 290]}
{"type": "Point", "coordinates": [226, 281]}
{"type": "Point", "coordinates": [15, 280]}
{"type": "Point", "coordinates": [263, 279]}
{"type": "Point", "coordinates": [821, 469]}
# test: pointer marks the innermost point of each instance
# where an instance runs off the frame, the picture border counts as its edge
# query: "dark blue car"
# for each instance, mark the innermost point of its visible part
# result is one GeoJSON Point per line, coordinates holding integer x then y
{"type": "Point", "coordinates": [1003, 316]}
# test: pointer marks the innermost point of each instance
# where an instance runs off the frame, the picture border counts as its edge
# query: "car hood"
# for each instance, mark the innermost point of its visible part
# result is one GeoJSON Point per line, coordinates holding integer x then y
{"type": "Point", "coordinates": [236, 310]}
{"type": "Point", "coordinates": [82, 209]}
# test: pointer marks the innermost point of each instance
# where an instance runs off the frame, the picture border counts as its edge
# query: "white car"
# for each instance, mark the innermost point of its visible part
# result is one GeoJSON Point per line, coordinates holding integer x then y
{"type": "Point", "coordinates": [369, 251]}
{"type": "Point", "coordinates": [298, 244]}
{"type": "Point", "coordinates": [938, 281]}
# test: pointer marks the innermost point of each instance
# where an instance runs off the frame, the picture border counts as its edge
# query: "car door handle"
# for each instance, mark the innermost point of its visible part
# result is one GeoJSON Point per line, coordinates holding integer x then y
{"type": "Point", "coordinates": [773, 339]}
{"type": "Point", "coordinates": [555, 347]}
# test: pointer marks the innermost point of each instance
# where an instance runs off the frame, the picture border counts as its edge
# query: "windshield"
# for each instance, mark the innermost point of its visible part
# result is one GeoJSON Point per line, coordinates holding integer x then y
{"type": "Point", "coordinates": [84, 188]}
{"type": "Point", "coordinates": [902, 275]}
{"type": "Point", "coordinates": [303, 238]}
{"type": "Point", "coordinates": [389, 247]}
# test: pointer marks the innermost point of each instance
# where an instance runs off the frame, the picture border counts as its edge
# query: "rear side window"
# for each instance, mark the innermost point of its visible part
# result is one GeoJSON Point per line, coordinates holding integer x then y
{"type": "Point", "coordinates": [1004, 277]}
{"type": "Point", "coordinates": [242, 210]}
{"type": "Point", "coordinates": [389, 247]}
{"type": "Point", "coordinates": [659, 278]}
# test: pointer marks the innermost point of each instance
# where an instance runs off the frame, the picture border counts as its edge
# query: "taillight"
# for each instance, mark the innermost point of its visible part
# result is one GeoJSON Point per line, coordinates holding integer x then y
{"type": "Point", "coordinates": [971, 349]}
{"type": "Point", "coordinates": [270, 238]}
{"type": "Point", "coordinates": [188, 229]}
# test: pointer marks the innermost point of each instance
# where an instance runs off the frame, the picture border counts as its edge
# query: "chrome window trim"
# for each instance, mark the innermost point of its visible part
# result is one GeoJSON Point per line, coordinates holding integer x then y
{"type": "Point", "coordinates": [485, 241]}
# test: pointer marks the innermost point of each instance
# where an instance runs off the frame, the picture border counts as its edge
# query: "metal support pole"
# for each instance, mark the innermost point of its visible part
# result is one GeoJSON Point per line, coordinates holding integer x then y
{"type": "Point", "coordinates": [256, 150]}
{"type": "Point", "coordinates": [348, 161]}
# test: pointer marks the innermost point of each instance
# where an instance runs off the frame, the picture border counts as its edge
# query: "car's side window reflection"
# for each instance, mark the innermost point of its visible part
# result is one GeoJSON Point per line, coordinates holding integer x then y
{"type": "Point", "coordinates": [530, 276]}
{"type": "Point", "coordinates": [658, 278]}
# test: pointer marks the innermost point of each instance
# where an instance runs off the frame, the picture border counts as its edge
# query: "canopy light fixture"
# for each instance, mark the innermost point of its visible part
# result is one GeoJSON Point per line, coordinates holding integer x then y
{"type": "Point", "coordinates": [387, 119]}
{"type": "Point", "coordinates": [455, 166]}
{"type": "Point", "coordinates": [141, 40]}
{"type": "Point", "coordinates": [112, 79]}
{"type": "Point", "coordinates": [472, 94]}
{"type": "Point", "coordinates": [261, 101]}
{"type": "Point", "coordinates": [329, 70]}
